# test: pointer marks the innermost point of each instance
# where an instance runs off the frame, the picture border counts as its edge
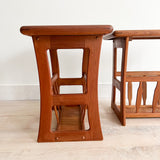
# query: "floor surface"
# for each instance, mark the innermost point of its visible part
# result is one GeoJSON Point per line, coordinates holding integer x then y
{"type": "Point", "coordinates": [139, 140]}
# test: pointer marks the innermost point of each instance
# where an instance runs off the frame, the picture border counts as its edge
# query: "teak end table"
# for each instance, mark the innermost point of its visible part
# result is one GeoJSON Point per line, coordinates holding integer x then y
{"type": "Point", "coordinates": [121, 39]}
{"type": "Point", "coordinates": [70, 109]}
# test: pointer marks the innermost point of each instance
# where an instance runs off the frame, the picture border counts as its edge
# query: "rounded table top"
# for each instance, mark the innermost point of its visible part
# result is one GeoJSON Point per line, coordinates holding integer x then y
{"type": "Point", "coordinates": [67, 30]}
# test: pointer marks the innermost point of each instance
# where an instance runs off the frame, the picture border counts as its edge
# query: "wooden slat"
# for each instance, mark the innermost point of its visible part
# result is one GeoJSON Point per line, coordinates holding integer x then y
{"type": "Point", "coordinates": [143, 79]}
{"type": "Point", "coordinates": [142, 109]}
{"type": "Point", "coordinates": [70, 119]}
{"type": "Point", "coordinates": [129, 92]}
{"type": "Point", "coordinates": [142, 106]}
{"type": "Point", "coordinates": [142, 115]}
{"type": "Point", "coordinates": [70, 81]}
{"type": "Point", "coordinates": [140, 73]}
{"type": "Point", "coordinates": [139, 97]}
{"type": "Point", "coordinates": [144, 92]}
{"type": "Point", "coordinates": [156, 96]}
{"type": "Point", "coordinates": [69, 99]}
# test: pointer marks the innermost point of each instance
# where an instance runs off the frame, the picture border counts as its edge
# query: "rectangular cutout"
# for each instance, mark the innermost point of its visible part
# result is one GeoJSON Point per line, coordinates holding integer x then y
{"type": "Point", "coordinates": [71, 89]}
{"type": "Point", "coordinates": [70, 62]}
{"type": "Point", "coordinates": [119, 59]}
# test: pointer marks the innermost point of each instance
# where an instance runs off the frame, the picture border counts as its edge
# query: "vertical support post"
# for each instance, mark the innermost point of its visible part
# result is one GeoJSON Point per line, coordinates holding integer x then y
{"type": "Point", "coordinates": [123, 81]}
{"type": "Point", "coordinates": [114, 74]}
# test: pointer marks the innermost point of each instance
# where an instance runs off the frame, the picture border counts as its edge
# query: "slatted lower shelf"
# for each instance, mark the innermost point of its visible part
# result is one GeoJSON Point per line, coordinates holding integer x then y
{"type": "Point", "coordinates": [69, 118]}
{"type": "Point", "coordinates": [144, 111]}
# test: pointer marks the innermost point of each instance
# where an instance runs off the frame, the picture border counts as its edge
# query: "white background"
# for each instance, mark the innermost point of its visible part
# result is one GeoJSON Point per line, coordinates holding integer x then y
{"type": "Point", "coordinates": [18, 70]}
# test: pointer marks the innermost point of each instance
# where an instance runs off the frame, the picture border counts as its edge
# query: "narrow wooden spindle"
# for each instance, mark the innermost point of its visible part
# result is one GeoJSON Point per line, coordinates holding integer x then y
{"type": "Point", "coordinates": [144, 92]}
{"type": "Point", "coordinates": [129, 92]}
{"type": "Point", "coordinates": [139, 97]}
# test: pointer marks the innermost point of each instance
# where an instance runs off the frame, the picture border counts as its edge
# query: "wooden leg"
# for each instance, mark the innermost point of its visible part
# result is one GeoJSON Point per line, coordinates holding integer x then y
{"type": "Point", "coordinates": [123, 81]}
{"type": "Point", "coordinates": [41, 46]}
{"type": "Point", "coordinates": [93, 44]}
{"type": "Point", "coordinates": [121, 85]}
{"type": "Point", "coordinates": [114, 76]}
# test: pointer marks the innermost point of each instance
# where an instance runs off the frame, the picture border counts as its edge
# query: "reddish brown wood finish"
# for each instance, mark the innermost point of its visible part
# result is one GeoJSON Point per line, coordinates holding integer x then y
{"type": "Point", "coordinates": [51, 38]}
{"type": "Point", "coordinates": [121, 39]}
{"type": "Point", "coordinates": [134, 34]}
{"type": "Point", "coordinates": [66, 30]}
{"type": "Point", "coordinates": [129, 92]}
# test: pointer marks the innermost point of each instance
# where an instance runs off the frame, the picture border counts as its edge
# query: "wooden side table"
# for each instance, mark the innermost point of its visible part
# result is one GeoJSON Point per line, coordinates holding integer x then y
{"type": "Point", "coordinates": [70, 109]}
{"type": "Point", "coordinates": [121, 39]}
